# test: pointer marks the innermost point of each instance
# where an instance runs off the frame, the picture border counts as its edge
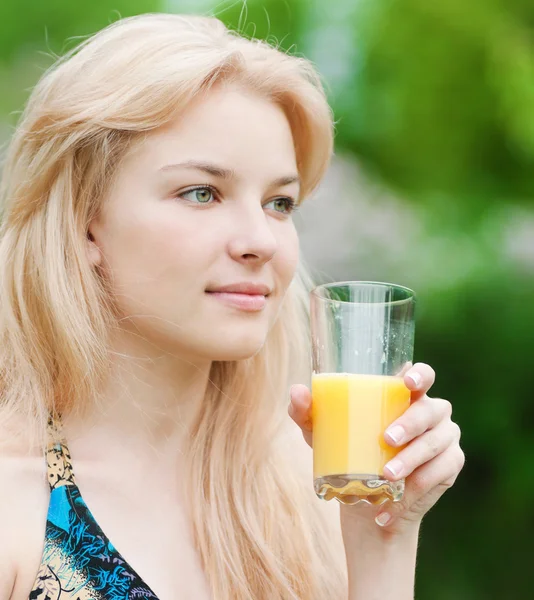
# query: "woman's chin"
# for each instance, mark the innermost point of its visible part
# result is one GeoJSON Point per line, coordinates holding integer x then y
{"type": "Point", "coordinates": [235, 349]}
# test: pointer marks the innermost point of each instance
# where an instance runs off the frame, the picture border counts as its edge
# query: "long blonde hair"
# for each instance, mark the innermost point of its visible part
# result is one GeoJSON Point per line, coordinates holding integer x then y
{"type": "Point", "coordinates": [257, 527]}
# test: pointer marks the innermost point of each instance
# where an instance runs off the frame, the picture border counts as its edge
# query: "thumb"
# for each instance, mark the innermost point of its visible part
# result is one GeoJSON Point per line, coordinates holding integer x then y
{"type": "Point", "coordinates": [300, 409]}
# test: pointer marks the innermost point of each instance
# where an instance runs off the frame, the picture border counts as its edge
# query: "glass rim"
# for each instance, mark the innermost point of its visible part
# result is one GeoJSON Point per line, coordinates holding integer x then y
{"type": "Point", "coordinates": [410, 298]}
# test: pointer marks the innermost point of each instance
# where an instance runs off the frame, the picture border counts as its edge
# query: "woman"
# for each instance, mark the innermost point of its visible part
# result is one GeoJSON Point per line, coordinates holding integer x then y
{"type": "Point", "coordinates": [153, 317]}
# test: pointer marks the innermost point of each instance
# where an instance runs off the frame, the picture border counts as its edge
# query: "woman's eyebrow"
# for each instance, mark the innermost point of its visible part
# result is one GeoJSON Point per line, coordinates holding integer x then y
{"type": "Point", "coordinates": [223, 173]}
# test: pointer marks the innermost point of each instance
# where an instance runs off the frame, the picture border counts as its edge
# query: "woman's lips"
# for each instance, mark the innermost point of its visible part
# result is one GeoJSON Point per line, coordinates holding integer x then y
{"type": "Point", "coordinates": [247, 302]}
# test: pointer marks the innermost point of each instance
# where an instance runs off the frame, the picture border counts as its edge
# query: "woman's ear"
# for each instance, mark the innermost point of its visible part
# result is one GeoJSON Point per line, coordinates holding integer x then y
{"type": "Point", "coordinates": [93, 251]}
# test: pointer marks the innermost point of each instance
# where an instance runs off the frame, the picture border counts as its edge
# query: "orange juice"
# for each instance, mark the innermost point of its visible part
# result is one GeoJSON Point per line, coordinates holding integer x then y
{"type": "Point", "coordinates": [350, 414]}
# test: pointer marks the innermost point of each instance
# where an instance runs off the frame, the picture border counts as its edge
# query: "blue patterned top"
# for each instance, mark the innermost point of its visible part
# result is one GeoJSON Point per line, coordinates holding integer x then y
{"type": "Point", "coordinates": [79, 562]}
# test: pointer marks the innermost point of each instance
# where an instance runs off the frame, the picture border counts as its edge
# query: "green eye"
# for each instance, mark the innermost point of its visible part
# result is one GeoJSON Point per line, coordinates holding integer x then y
{"type": "Point", "coordinates": [283, 205]}
{"type": "Point", "coordinates": [201, 195]}
{"type": "Point", "coordinates": [205, 195]}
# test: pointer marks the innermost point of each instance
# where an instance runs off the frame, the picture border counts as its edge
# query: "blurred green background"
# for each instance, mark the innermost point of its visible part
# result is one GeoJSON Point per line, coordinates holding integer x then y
{"type": "Point", "coordinates": [432, 186]}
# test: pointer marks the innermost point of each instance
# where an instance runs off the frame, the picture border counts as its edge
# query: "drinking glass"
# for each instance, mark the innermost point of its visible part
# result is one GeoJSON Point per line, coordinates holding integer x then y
{"type": "Point", "coordinates": [362, 344]}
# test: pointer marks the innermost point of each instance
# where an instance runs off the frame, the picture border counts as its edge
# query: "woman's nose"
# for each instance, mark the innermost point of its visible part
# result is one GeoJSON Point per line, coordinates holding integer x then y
{"type": "Point", "coordinates": [253, 239]}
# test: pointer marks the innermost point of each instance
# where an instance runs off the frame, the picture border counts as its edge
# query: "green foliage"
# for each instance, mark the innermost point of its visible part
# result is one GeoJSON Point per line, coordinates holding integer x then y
{"type": "Point", "coordinates": [47, 25]}
{"type": "Point", "coordinates": [33, 32]}
{"type": "Point", "coordinates": [280, 22]}
{"type": "Point", "coordinates": [443, 97]}
{"type": "Point", "coordinates": [480, 349]}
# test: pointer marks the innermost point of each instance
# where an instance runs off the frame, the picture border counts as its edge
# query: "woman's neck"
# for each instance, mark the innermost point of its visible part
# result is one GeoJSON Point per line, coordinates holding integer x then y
{"type": "Point", "coordinates": [146, 405]}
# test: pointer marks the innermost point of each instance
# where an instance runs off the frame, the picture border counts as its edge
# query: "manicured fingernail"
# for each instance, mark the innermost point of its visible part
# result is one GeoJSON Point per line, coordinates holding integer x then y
{"type": "Point", "coordinates": [396, 434]}
{"type": "Point", "coordinates": [415, 377]}
{"type": "Point", "coordinates": [394, 467]}
{"type": "Point", "coordinates": [383, 519]}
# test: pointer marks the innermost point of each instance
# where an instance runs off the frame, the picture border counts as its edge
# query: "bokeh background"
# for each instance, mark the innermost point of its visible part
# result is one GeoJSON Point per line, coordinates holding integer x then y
{"type": "Point", "coordinates": [432, 186]}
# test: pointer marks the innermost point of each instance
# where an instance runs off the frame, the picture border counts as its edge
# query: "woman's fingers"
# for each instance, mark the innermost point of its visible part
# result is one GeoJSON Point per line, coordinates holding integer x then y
{"type": "Point", "coordinates": [299, 409]}
{"type": "Point", "coordinates": [423, 449]}
{"type": "Point", "coordinates": [418, 418]}
{"type": "Point", "coordinates": [425, 486]}
{"type": "Point", "coordinates": [300, 406]}
{"type": "Point", "coordinates": [419, 379]}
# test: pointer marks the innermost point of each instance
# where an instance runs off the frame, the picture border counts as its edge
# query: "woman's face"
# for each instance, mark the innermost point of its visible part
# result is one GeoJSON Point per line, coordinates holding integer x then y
{"type": "Point", "coordinates": [167, 247]}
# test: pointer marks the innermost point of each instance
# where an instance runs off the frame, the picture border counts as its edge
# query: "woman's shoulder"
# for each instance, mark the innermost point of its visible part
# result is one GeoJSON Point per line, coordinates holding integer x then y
{"type": "Point", "coordinates": [7, 563]}
{"type": "Point", "coordinates": [23, 508]}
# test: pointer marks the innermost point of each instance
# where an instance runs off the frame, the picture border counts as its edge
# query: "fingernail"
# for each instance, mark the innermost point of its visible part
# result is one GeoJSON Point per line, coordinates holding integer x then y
{"type": "Point", "coordinates": [415, 377]}
{"type": "Point", "coordinates": [383, 519]}
{"type": "Point", "coordinates": [394, 467]}
{"type": "Point", "coordinates": [396, 434]}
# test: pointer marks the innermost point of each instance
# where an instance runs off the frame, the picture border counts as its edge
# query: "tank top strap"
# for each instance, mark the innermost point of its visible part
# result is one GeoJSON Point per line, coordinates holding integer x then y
{"type": "Point", "coordinates": [58, 461]}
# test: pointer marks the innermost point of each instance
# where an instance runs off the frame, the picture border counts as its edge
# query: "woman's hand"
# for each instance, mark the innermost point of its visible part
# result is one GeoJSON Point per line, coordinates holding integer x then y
{"type": "Point", "coordinates": [431, 460]}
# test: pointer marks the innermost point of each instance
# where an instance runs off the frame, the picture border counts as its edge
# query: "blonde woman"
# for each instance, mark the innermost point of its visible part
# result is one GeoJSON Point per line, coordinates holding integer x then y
{"type": "Point", "coordinates": [152, 318]}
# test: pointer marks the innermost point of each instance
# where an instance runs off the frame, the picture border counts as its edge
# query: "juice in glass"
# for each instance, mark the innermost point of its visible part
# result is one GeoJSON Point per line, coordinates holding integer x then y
{"type": "Point", "coordinates": [350, 414]}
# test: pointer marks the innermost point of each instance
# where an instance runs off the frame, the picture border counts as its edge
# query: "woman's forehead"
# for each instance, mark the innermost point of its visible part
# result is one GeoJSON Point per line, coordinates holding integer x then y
{"type": "Point", "coordinates": [230, 132]}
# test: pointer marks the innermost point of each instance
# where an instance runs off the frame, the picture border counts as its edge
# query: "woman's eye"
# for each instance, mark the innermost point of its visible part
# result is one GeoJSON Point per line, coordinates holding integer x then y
{"type": "Point", "coordinates": [201, 195]}
{"type": "Point", "coordinates": [283, 205]}
{"type": "Point", "coordinates": [205, 195]}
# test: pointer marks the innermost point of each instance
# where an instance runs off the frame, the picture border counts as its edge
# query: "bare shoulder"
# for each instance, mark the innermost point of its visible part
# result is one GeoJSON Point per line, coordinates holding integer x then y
{"type": "Point", "coordinates": [23, 508]}
{"type": "Point", "coordinates": [7, 564]}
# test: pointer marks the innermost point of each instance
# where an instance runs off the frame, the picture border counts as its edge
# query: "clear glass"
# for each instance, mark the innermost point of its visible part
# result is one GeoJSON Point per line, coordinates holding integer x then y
{"type": "Point", "coordinates": [362, 344]}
